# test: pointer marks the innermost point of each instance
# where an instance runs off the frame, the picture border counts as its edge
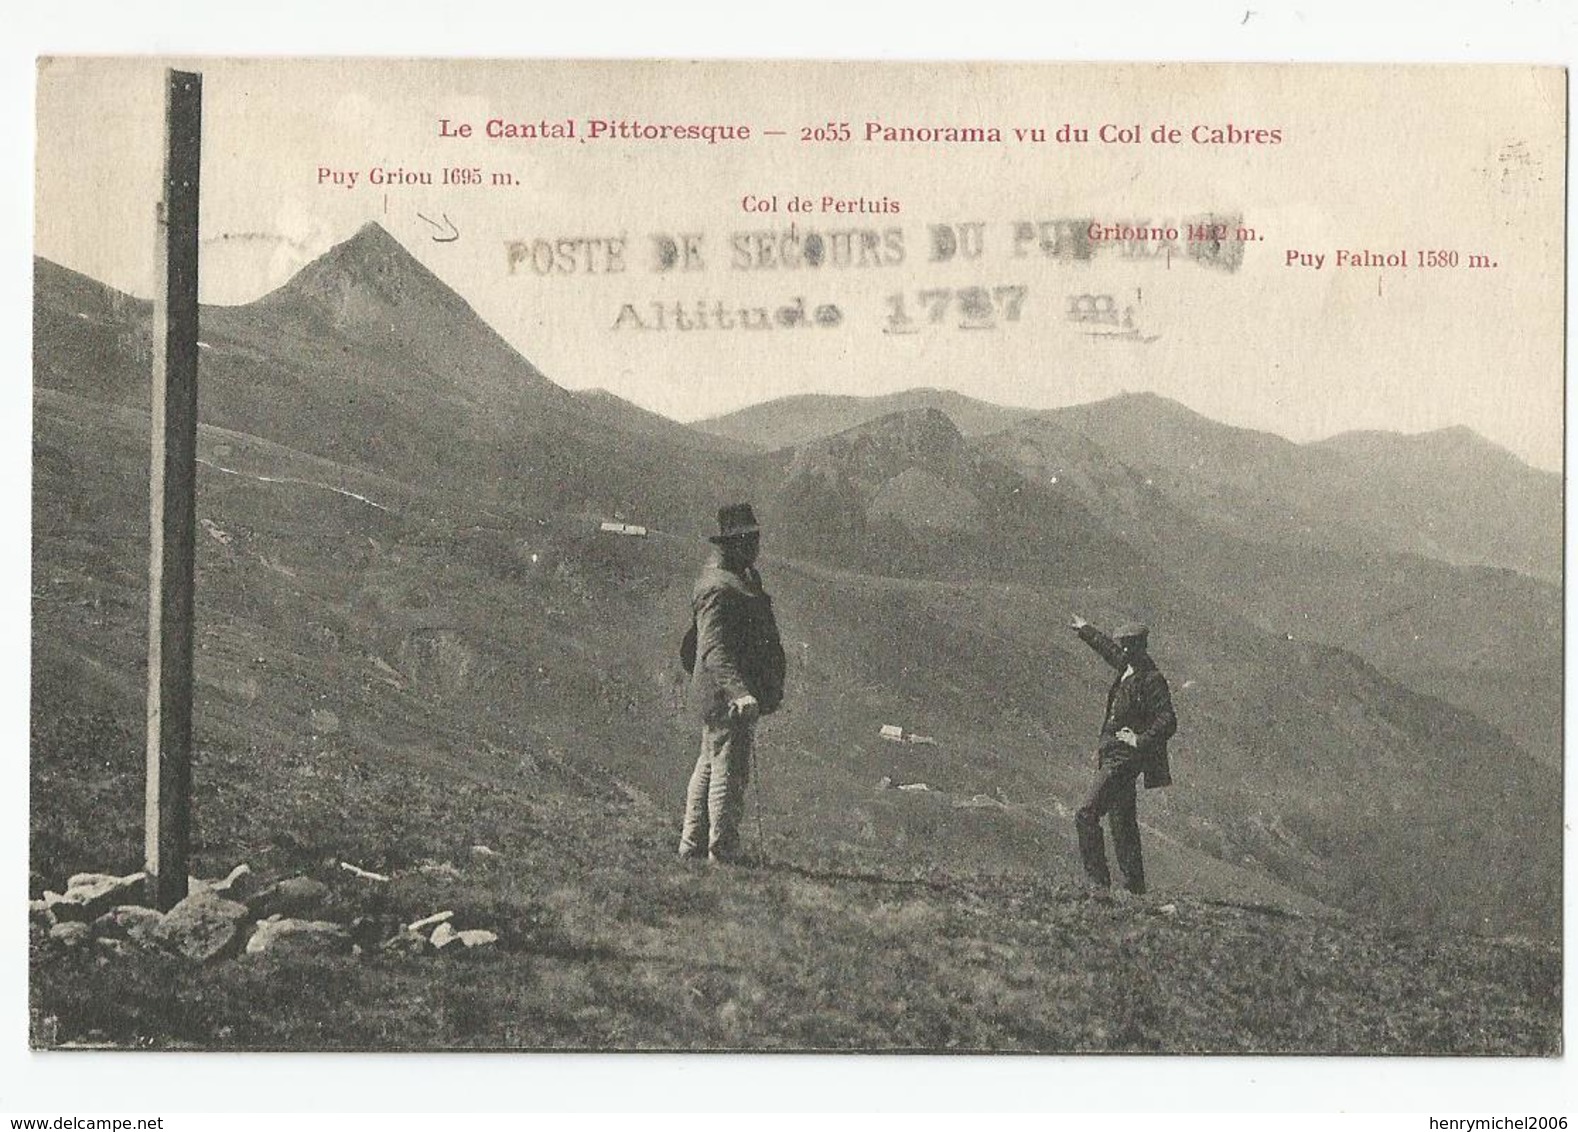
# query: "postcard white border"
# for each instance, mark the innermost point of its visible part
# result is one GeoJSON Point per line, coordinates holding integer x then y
{"type": "Point", "coordinates": [1246, 30]}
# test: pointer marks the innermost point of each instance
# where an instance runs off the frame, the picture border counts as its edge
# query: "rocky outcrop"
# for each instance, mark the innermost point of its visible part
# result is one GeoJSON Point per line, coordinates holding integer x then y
{"type": "Point", "coordinates": [235, 915]}
{"type": "Point", "coordinates": [90, 895]}
{"type": "Point", "coordinates": [128, 921]}
{"type": "Point", "coordinates": [202, 927]}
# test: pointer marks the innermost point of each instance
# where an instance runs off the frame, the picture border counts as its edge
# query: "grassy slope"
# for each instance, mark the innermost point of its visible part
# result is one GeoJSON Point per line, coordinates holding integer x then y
{"type": "Point", "coordinates": [608, 943]}
{"type": "Point", "coordinates": [851, 941]}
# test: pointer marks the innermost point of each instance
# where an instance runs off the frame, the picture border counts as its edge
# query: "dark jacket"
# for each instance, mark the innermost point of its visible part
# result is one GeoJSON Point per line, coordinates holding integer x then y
{"type": "Point", "coordinates": [738, 651]}
{"type": "Point", "coordinates": [1139, 700]}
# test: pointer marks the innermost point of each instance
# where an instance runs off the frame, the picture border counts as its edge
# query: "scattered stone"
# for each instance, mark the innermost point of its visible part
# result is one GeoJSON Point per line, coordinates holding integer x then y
{"type": "Point", "coordinates": [63, 908]}
{"type": "Point", "coordinates": [293, 897]}
{"type": "Point", "coordinates": [885, 782]}
{"type": "Point", "coordinates": [406, 942]}
{"type": "Point", "coordinates": [1168, 909]}
{"type": "Point", "coordinates": [100, 909]}
{"type": "Point", "coordinates": [202, 927]}
{"type": "Point", "coordinates": [71, 933]}
{"type": "Point", "coordinates": [299, 937]}
{"type": "Point", "coordinates": [90, 895]}
{"type": "Point", "coordinates": [444, 871]}
{"type": "Point", "coordinates": [99, 892]}
{"type": "Point", "coordinates": [240, 883]}
{"type": "Point", "coordinates": [87, 880]}
{"type": "Point", "coordinates": [116, 947]}
{"type": "Point", "coordinates": [127, 921]}
{"type": "Point", "coordinates": [145, 933]}
{"type": "Point", "coordinates": [363, 873]}
{"type": "Point", "coordinates": [429, 921]}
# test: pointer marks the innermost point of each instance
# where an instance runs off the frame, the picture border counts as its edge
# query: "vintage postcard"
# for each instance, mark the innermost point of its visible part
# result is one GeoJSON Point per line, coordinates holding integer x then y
{"type": "Point", "coordinates": [946, 557]}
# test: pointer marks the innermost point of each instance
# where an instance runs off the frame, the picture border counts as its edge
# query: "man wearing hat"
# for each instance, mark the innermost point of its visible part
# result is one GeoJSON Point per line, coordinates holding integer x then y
{"type": "Point", "coordinates": [1134, 737]}
{"type": "Point", "coordinates": [738, 676]}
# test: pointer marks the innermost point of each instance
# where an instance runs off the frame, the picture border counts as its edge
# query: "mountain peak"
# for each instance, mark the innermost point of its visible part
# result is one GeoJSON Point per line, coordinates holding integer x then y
{"type": "Point", "coordinates": [370, 266]}
{"type": "Point", "coordinates": [1144, 418]}
{"type": "Point", "coordinates": [371, 242]}
{"type": "Point", "coordinates": [1459, 436]}
{"type": "Point", "coordinates": [1152, 405]}
{"type": "Point", "coordinates": [880, 449]}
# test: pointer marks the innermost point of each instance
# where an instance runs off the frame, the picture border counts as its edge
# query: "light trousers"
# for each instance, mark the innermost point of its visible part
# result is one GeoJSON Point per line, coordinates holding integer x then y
{"type": "Point", "coordinates": [715, 799]}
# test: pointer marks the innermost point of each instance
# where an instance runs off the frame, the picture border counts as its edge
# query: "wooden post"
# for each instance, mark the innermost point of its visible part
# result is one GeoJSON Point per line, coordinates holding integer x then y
{"type": "Point", "coordinates": [173, 498]}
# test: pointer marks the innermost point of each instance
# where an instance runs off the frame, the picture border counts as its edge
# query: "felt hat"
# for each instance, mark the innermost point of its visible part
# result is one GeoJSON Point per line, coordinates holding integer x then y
{"type": "Point", "coordinates": [735, 520]}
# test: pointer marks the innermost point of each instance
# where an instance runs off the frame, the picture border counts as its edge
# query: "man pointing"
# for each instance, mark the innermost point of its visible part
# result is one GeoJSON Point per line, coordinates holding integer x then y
{"type": "Point", "coordinates": [1134, 735]}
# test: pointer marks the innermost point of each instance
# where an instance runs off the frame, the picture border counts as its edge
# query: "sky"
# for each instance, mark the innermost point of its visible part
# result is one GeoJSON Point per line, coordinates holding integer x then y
{"type": "Point", "coordinates": [1383, 160]}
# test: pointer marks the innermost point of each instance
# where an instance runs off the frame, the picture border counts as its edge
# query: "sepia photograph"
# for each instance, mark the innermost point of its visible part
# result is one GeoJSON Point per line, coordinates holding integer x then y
{"type": "Point", "coordinates": [788, 556]}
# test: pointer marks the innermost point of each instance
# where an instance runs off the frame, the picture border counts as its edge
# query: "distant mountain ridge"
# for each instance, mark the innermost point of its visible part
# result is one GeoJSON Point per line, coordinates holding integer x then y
{"type": "Point", "coordinates": [908, 494]}
{"type": "Point", "coordinates": [1448, 494]}
{"type": "Point", "coordinates": [789, 422]}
